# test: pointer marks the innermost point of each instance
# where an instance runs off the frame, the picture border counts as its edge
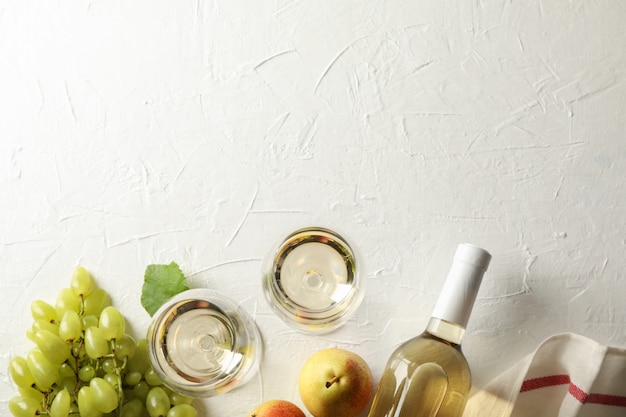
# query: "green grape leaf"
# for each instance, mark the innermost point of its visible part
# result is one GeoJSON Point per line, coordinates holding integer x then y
{"type": "Point", "coordinates": [160, 283]}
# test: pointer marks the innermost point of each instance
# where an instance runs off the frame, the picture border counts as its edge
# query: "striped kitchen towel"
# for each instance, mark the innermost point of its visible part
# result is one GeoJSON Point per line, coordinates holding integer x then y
{"type": "Point", "coordinates": [567, 376]}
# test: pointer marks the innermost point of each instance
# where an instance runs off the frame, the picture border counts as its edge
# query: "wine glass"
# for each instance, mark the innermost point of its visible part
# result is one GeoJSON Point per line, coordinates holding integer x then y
{"type": "Point", "coordinates": [202, 344]}
{"type": "Point", "coordinates": [311, 280]}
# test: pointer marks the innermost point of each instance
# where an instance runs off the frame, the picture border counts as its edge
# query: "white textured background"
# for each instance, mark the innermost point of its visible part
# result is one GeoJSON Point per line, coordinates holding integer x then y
{"type": "Point", "coordinates": [138, 132]}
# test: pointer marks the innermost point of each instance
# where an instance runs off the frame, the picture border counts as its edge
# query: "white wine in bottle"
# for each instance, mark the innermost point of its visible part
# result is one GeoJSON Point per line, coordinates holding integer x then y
{"type": "Point", "coordinates": [428, 375]}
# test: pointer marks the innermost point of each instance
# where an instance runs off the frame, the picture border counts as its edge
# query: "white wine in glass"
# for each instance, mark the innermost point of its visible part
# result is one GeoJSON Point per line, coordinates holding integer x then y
{"type": "Point", "coordinates": [312, 280]}
{"type": "Point", "coordinates": [202, 344]}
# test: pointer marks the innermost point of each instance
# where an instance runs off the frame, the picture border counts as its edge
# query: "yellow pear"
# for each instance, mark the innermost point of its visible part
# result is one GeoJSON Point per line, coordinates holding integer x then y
{"type": "Point", "coordinates": [335, 382]}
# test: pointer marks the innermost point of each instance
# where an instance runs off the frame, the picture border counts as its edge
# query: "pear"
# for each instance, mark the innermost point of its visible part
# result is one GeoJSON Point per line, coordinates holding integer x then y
{"type": "Point", "coordinates": [277, 408]}
{"type": "Point", "coordinates": [335, 382]}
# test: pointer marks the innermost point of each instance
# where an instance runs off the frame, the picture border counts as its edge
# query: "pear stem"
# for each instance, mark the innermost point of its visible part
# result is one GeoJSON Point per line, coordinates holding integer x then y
{"type": "Point", "coordinates": [332, 381]}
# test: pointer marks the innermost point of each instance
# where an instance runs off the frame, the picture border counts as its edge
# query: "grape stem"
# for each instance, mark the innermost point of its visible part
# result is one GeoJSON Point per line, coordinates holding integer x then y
{"type": "Point", "coordinates": [76, 356]}
{"type": "Point", "coordinates": [82, 305]}
{"type": "Point", "coordinates": [118, 372]}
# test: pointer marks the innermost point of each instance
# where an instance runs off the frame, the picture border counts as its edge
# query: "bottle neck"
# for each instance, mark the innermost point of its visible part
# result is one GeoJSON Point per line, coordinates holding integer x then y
{"type": "Point", "coordinates": [454, 306]}
{"type": "Point", "coordinates": [459, 292]}
{"type": "Point", "coordinates": [451, 332]}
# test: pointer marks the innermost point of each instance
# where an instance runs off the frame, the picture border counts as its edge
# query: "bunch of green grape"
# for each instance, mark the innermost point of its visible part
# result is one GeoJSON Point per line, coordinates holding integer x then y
{"type": "Point", "coordinates": [85, 365]}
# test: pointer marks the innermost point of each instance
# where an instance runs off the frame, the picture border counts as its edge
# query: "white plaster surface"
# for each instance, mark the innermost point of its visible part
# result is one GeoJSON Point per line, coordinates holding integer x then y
{"type": "Point", "coordinates": [138, 132]}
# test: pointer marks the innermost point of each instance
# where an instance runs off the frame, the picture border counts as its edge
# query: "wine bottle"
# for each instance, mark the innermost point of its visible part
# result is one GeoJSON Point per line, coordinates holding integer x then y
{"type": "Point", "coordinates": [428, 375]}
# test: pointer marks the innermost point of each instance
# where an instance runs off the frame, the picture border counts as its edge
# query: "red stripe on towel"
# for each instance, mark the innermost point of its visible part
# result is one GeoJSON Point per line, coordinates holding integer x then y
{"type": "Point", "coordinates": [614, 400]}
{"type": "Point", "coordinates": [574, 390]}
{"type": "Point", "coordinates": [545, 381]}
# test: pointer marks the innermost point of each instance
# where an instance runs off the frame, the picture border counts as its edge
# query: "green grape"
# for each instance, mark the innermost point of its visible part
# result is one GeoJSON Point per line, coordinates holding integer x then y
{"type": "Point", "coordinates": [52, 346]}
{"type": "Point", "coordinates": [66, 370]}
{"type": "Point", "coordinates": [67, 301]}
{"type": "Point", "coordinates": [109, 365]}
{"type": "Point", "coordinates": [42, 324]}
{"type": "Point", "coordinates": [86, 373]}
{"type": "Point", "coordinates": [105, 396]}
{"type": "Point", "coordinates": [177, 398]}
{"type": "Point", "coordinates": [125, 347]}
{"type": "Point", "coordinates": [40, 310]}
{"type": "Point", "coordinates": [81, 283]}
{"type": "Point", "coordinates": [182, 410]}
{"type": "Point", "coordinates": [30, 334]}
{"type": "Point", "coordinates": [96, 345]}
{"type": "Point", "coordinates": [96, 302]}
{"type": "Point", "coordinates": [114, 380]}
{"type": "Point", "coordinates": [157, 402]}
{"type": "Point", "coordinates": [132, 378]}
{"type": "Point", "coordinates": [78, 351]}
{"type": "Point", "coordinates": [18, 368]}
{"type": "Point", "coordinates": [112, 323]}
{"type": "Point", "coordinates": [42, 370]}
{"type": "Point", "coordinates": [90, 320]}
{"type": "Point", "coordinates": [152, 378]}
{"type": "Point", "coordinates": [133, 408]}
{"type": "Point", "coordinates": [141, 390]}
{"type": "Point", "coordinates": [24, 407]}
{"type": "Point", "coordinates": [86, 402]}
{"type": "Point", "coordinates": [68, 383]}
{"type": "Point", "coordinates": [140, 362]}
{"type": "Point", "coordinates": [70, 327]}
{"type": "Point", "coordinates": [60, 406]}
{"type": "Point", "coordinates": [31, 392]}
